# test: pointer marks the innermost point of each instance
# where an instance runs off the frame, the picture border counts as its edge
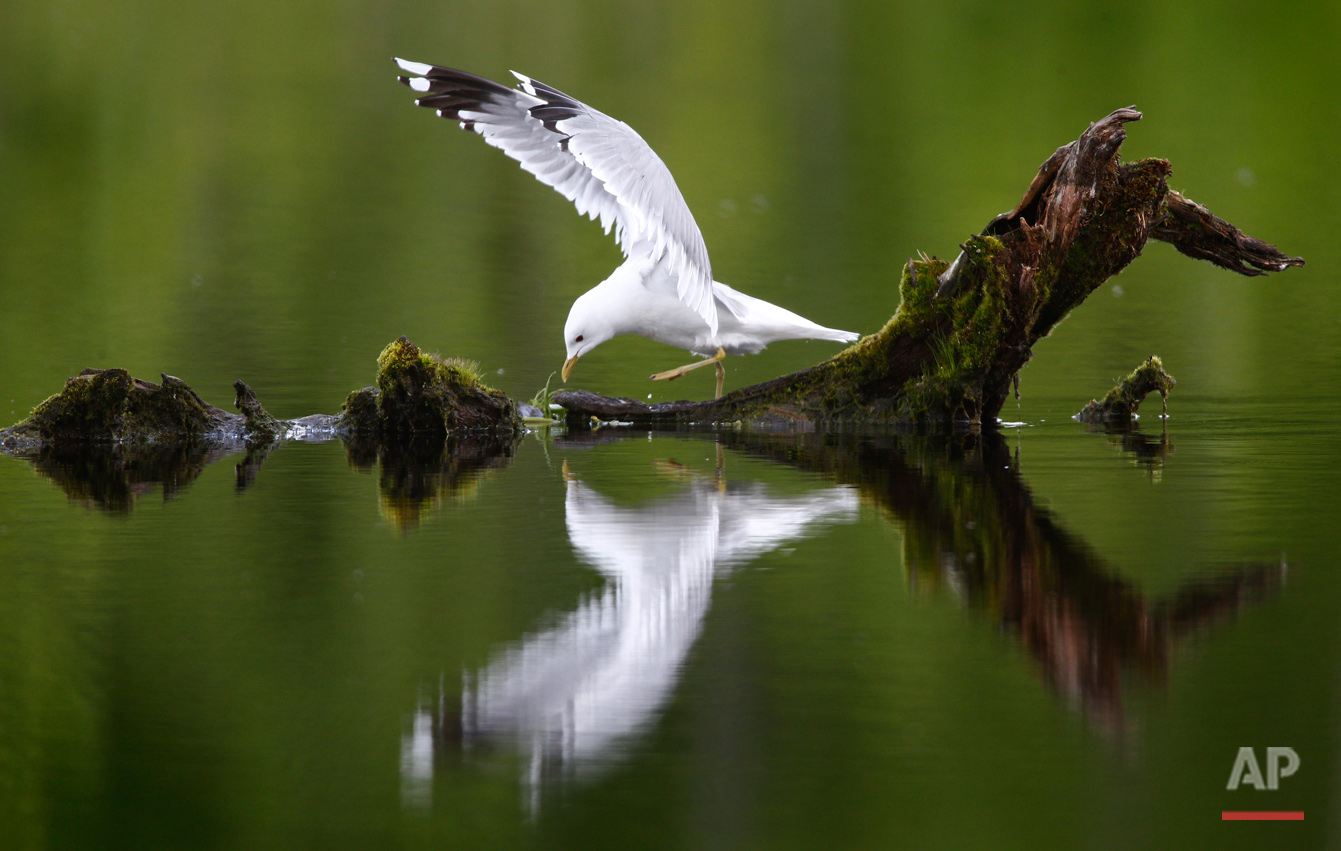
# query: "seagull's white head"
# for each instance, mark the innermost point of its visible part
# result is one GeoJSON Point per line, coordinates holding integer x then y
{"type": "Point", "coordinates": [587, 327]}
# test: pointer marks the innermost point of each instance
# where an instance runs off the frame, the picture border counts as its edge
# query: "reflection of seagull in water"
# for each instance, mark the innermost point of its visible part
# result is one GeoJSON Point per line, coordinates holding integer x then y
{"type": "Point", "coordinates": [565, 696]}
{"type": "Point", "coordinates": [664, 290]}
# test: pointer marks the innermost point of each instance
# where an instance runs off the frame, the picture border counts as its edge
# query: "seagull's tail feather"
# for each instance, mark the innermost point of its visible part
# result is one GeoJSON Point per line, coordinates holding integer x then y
{"type": "Point", "coordinates": [765, 322]}
{"type": "Point", "coordinates": [836, 335]}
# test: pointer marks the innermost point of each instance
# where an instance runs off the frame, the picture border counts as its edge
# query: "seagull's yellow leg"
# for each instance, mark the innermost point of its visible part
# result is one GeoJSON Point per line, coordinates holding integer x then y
{"type": "Point", "coordinates": [672, 374]}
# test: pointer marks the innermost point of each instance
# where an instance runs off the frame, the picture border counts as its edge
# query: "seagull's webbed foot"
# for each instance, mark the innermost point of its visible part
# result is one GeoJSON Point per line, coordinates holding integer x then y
{"type": "Point", "coordinates": [672, 374]}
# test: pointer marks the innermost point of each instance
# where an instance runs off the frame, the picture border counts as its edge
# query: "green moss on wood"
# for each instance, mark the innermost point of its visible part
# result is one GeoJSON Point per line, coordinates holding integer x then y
{"type": "Point", "coordinates": [360, 413]}
{"type": "Point", "coordinates": [1121, 402]}
{"type": "Point", "coordinates": [964, 345]}
{"type": "Point", "coordinates": [259, 424]}
{"type": "Point", "coordinates": [422, 395]}
{"type": "Point", "coordinates": [110, 405]}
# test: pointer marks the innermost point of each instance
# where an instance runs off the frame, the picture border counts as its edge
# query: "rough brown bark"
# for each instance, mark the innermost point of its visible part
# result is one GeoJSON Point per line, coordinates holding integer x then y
{"type": "Point", "coordinates": [1196, 232]}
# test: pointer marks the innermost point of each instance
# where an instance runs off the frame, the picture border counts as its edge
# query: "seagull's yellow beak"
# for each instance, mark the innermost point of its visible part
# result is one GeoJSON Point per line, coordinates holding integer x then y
{"type": "Point", "coordinates": [568, 368]}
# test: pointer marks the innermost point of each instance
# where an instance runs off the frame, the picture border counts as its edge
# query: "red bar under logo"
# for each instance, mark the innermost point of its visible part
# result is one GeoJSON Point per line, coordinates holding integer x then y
{"type": "Point", "coordinates": [1229, 815]}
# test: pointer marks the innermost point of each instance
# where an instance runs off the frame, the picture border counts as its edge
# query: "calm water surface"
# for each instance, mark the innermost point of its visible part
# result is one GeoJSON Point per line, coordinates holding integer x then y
{"type": "Point", "coordinates": [1046, 637]}
{"type": "Point", "coordinates": [673, 639]}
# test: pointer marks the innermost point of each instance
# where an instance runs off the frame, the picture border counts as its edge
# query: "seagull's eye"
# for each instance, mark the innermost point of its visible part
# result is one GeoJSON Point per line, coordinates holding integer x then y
{"type": "Point", "coordinates": [579, 339]}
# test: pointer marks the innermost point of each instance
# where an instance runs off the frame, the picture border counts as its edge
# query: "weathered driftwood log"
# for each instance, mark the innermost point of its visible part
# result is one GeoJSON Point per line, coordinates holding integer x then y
{"type": "Point", "coordinates": [964, 329]}
{"type": "Point", "coordinates": [1120, 404]}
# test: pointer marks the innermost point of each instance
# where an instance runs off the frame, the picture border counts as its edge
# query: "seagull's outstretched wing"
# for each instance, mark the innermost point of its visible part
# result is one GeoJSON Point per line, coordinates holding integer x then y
{"type": "Point", "coordinates": [598, 163]}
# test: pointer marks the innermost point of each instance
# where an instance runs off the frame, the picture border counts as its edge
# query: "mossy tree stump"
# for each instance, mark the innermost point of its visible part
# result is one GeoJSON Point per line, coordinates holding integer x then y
{"type": "Point", "coordinates": [963, 329]}
{"type": "Point", "coordinates": [421, 395]}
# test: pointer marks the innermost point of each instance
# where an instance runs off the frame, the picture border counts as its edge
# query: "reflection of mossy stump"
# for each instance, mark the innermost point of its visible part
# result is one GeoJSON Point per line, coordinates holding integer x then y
{"type": "Point", "coordinates": [963, 329]}
{"type": "Point", "coordinates": [420, 395]}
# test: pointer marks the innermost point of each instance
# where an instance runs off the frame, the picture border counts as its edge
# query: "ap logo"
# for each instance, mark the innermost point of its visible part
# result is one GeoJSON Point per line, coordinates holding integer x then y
{"type": "Point", "coordinates": [1246, 769]}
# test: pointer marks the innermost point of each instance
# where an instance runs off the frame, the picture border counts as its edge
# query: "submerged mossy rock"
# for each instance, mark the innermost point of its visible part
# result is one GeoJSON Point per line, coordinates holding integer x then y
{"type": "Point", "coordinates": [1120, 404]}
{"type": "Point", "coordinates": [422, 396]}
{"type": "Point", "coordinates": [111, 405]}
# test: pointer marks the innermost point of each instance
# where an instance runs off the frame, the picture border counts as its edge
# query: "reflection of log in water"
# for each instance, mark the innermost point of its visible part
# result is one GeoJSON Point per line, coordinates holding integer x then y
{"type": "Point", "coordinates": [1145, 450]}
{"type": "Point", "coordinates": [970, 522]}
{"type": "Point", "coordinates": [417, 475]}
{"type": "Point", "coordinates": [113, 476]}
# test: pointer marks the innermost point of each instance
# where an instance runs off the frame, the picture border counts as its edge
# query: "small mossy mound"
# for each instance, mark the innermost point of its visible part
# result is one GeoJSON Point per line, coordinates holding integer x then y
{"type": "Point", "coordinates": [111, 405]}
{"type": "Point", "coordinates": [420, 395]}
{"type": "Point", "coordinates": [360, 414]}
{"type": "Point", "coordinates": [1121, 402]}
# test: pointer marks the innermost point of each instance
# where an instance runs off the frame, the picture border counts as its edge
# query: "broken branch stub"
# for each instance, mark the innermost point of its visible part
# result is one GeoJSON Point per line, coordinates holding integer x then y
{"type": "Point", "coordinates": [1198, 233]}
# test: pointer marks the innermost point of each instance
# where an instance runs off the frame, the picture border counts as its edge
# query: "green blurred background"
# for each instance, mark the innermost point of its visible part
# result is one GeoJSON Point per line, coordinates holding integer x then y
{"type": "Point", "coordinates": [234, 190]}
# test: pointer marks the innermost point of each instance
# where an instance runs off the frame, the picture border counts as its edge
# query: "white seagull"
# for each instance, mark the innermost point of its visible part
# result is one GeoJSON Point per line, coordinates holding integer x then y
{"type": "Point", "coordinates": [664, 289]}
